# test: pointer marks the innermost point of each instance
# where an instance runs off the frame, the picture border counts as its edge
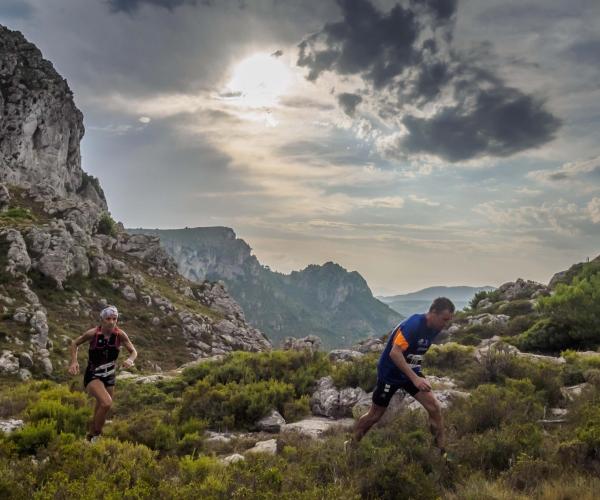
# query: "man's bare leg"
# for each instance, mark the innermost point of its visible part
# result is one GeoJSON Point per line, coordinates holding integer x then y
{"type": "Point", "coordinates": [436, 420]}
{"type": "Point", "coordinates": [367, 421]}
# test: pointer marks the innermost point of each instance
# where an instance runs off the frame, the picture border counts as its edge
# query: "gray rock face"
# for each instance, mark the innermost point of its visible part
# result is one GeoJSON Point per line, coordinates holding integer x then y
{"type": "Point", "coordinates": [271, 423]}
{"type": "Point", "coordinates": [4, 198]}
{"type": "Point", "coordinates": [344, 355]}
{"type": "Point", "coordinates": [9, 364]}
{"type": "Point", "coordinates": [269, 447]}
{"type": "Point", "coordinates": [328, 401]}
{"type": "Point", "coordinates": [56, 254]}
{"type": "Point", "coordinates": [231, 459]}
{"type": "Point", "coordinates": [315, 427]}
{"type": "Point", "coordinates": [310, 343]}
{"type": "Point", "coordinates": [41, 127]}
{"type": "Point", "coordinates": [11, 425]}
{"type": "Point", "coordinates": [19, 262]}
{"type": "Point", "coordinates": [520, 289]}
{"type": "Point", "coordinates": [489, 319]}
{"type": "Point", "coordinates": [370, 344]}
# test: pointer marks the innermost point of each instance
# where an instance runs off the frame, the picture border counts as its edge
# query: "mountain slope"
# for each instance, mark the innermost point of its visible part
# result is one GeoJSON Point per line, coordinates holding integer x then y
{"type": "Point", "coordinates": [63, 258]}
{"type": "Point", "coordinates": [326, 300]}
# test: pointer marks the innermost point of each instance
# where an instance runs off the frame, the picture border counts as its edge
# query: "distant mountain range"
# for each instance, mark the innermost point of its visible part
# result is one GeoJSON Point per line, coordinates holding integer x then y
{"type": "Point", "coordinates": [418, 302]}
{"type": "Point", "coordinates": [324, 300]}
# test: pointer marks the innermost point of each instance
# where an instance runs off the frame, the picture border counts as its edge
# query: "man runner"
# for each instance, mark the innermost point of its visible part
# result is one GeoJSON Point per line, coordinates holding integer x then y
{"type": "Point", "coordinates": [399, 367]}
{"type": "Point", "coordinates": [100, 375]}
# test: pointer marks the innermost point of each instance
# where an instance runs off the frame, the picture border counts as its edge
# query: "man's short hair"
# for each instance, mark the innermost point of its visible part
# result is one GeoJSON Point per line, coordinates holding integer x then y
{"type": "Point", "coordinates": [442, 304]}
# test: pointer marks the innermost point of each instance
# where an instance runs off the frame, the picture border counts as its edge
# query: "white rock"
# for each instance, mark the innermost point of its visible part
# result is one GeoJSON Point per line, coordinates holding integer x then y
{"type": "Point", "coordinates": [271, 422]}
{"type": "Point", "coordinates": [269, 446]}
{"type": "Point", "coordinates": [315, 427]}
{"type": "Point", "coordinates": [231, 459]}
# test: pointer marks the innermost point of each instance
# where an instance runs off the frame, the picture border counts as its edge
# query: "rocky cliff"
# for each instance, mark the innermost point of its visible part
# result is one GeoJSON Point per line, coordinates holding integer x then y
{"type": "Point", "coordinates": [63, 258]}
{"type": "Point", "coordinates": [326, 300]}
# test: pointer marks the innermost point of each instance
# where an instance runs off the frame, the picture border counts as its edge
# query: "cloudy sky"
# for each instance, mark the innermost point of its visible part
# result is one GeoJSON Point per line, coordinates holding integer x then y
{"type": "Point", "coordinates": [421, 142]}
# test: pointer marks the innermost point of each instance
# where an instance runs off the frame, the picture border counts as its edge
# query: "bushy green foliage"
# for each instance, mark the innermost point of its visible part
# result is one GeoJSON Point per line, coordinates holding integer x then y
{"type": "Point", "coordinates": [490, 406]}
{"type": "Point", "coordinates": [106, 225]}
{"type": "Point", "coordinates": [451, 359]}
{"type": "Point", "coordinates": [495, 449]}
{"type": "Point", "coordinates": [358, 373]}
{"type": "Point", "coordinates": [233, 405]}
{"type": "Point", "coordinates": [299, 368]}
{"type": "Point", "coordinates": [571, 316]}
{"type": "Point", "coordinates": [520, 324]}
{"type": "Point", "coordinates": [516, 308]}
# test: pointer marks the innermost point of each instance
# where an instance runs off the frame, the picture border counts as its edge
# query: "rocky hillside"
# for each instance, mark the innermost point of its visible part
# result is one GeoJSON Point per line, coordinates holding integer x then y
{"type": "Point", "coordinates": [326, 300]}
{"type": "Point", "coordinates": [63, 258]}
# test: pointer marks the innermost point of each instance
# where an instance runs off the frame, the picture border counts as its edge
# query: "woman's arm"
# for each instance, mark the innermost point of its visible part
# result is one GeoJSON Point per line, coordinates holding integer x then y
{"type": "Point", "coordinates": [128, 363]}
{"type": "Point", "coordinates": [74, 365]}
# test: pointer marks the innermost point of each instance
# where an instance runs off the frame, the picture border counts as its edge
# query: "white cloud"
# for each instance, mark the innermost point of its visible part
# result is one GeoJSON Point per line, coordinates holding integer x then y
{"type": "Point", "coordinates": [423, 200]}
{"type": "Point", "coordinates": [144, 119]}
{"type": "Point", "coordinates": [593, 208]}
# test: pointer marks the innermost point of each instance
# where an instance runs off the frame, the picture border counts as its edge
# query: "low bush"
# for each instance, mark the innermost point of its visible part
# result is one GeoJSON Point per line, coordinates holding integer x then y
{"type": "Point", "coordinates": [358, 373]}
{"type": "Point", "coordinates": [232, 405]}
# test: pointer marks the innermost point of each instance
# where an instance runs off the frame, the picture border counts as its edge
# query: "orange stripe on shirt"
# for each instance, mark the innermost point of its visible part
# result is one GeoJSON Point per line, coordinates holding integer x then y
{"type": "Point", "coordinates": [399, 340]}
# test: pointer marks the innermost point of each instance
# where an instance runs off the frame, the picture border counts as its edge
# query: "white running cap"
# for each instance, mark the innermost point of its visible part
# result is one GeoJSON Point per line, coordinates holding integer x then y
{"type": "Point", "coordinates": [109, 311]}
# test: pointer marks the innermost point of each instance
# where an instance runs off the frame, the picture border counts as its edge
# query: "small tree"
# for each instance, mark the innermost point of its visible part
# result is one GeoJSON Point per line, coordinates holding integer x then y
{"type": "Point", "coordinates": [106, 225]}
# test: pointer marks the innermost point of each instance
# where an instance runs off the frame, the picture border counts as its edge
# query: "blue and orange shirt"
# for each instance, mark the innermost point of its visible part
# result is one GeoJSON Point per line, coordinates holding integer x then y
{"type": "Point", "coordinates": [414, 338]}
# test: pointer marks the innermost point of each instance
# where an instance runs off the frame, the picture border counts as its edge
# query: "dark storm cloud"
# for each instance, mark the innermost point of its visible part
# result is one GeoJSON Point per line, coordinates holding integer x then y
{"type": "Point", "coordinates": [131, 6]}
{"type": "Point", "coordinates": [502, 122]}
{"type": "Point", "coordinates": [406, 56]}
{"type": "Point", "coordinates": [348, 102]}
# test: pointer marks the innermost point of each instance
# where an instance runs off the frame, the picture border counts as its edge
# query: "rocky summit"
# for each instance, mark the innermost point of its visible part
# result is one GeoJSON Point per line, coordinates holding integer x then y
{"type": "Point", "coordinates": [62, 256]}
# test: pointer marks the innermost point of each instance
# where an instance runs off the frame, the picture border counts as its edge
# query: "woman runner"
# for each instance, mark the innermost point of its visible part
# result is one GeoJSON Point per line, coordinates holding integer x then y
{"type": "Point", "coordinates": [100, 377]}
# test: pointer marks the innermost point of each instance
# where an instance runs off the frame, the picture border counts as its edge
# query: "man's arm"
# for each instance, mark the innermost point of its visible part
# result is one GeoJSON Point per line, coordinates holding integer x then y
{"type": "Point", "coordinates": [399, 360]}
{"type": "Point", "coordinates": [74, 365]}
{"type": "Point", "coordinates": [128, 363]}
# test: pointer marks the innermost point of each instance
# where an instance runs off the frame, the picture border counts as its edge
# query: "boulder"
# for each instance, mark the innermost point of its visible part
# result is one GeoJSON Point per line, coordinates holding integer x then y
{"type": "Point", "coordinates": [310, 343]}
{"type": "Point", "coordinates": [231, 459]}
{"type": "Point", "coordinates": [10, 425]}
{"type": "Point", "coordinates": [271, 422]}
{"type": "Point", "coordinates": [25, 360]}
{"type": "Point", "coordinates": [9, 363]}
{"type": "Point", "coordinates": [129, 293]}
{"type": "Point", "coordinates": [4, 198]}
{"type": "Point", "coordinates": [520, 289]}
{"type": "Point", "coordinates": [314, 427]}
{"type": "Point", "coordinates": [269, 447]}
{"type": "Point", "coordinates": [571, 393]}
{"type": "Point", "coordinates": [18, 260]}
{"type": "Point", "coordinates": [344, 355]}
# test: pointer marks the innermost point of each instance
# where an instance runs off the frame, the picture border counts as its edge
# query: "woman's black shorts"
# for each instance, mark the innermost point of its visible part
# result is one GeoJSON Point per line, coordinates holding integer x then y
{"type": "Point", "coordinates": [107, 381]}
{"type": "Point", "coordinates": [383, 391]}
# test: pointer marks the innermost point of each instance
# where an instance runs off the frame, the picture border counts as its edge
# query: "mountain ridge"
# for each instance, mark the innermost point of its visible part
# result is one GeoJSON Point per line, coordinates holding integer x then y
{"type": "Point", "coordinates": [324, 300]}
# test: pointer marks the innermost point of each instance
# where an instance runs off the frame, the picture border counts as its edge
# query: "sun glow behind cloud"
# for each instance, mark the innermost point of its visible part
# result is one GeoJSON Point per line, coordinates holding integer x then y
{"type": "Point", "coordinates": [259, 81]}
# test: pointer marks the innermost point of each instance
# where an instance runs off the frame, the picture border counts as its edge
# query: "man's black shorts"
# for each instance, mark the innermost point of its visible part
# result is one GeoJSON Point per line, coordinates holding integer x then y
{"type": "Point", "coordinates": [383, 391]}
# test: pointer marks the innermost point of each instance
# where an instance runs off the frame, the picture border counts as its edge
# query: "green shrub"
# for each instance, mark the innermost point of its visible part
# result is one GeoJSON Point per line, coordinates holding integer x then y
{"type": "Point", "coordinates": [527, 472]}
{"type": "Point", "coordinates": [571, 315]}
{"type": "Point", "coordinates": [516, 308]}
{"type": "Point", "coordinates": [495, 449]}
{"type": "Point", "coordinates": [152, 428]}
{"type": "Point", "coordinates": [490, 406]}
{"type": "Point", "coordinates": [234, 405]}
{"type": "Point", "coordinates": [296, 409]}
{"type": "Point", "coordinates": [520, 324]}
{"type": "Point", "coordinates": [33, 436]}
{"type": "Point", "coordinates": [300, 369]}
{"type": "Point", "coordinates": [358, 373]}
{"type": "Point", "coordinates": [106, 225]}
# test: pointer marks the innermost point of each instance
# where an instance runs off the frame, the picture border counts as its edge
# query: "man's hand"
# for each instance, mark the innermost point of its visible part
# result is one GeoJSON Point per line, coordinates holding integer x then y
{"type": "Point", "coordinates": [422, 384]}
{"type": "Point", "coordinates": [74, 368]}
